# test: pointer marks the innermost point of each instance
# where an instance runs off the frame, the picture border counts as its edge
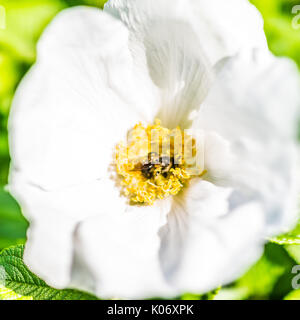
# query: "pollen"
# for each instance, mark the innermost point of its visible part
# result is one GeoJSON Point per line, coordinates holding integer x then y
{"type": "Point", "coordinates": [155, 162]}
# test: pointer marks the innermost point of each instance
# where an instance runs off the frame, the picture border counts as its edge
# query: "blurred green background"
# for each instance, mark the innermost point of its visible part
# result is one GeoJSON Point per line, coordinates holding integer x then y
{"type": "Point", "coordinates": [271, 277]}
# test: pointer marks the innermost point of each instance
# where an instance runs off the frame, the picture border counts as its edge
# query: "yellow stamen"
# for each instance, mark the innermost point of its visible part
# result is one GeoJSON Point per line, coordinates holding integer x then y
{"type": "Point", "coordinates": [153, 163]}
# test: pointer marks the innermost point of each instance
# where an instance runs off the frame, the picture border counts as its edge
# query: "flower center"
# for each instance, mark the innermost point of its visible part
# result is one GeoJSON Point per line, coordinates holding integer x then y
{"type": "Point", "coordinates": [156, 162]}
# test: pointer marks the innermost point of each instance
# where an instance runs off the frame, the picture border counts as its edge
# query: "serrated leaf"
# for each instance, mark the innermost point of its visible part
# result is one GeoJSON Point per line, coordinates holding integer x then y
{"type": "Point", "coordinates": [292, 237]}
{"type": "Point", "coordinates": [8, 294]}
{"type": "Point", "coordinates": [20, 280]}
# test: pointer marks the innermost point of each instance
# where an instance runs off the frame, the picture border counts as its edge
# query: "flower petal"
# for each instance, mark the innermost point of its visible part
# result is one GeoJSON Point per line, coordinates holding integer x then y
{"type": "Point", "coordinates": [121, 251]}
{"type": "Point", "coordinates": [168, 51]}
{"type": "Point", "coordinates": [257, 100]}
{"type": "Point", "coordinates": [175, 44]}
{"type": "Point", "coordinates": [79, 99]}
{"type": "Point", "coordinates": [53, 217]}
{"type": "Point", "coordinates": [256, 115]}
{"type": "Point", "coordinates": [201, 199]}
{"type": "Point", "coordinates": [207, 252]}
{"type": "Point", "coordinates": [214, 156]}
{"type": "Point", "coordinates": [49, 248]}
{"type": "Point", "coordinates": [228, 26]}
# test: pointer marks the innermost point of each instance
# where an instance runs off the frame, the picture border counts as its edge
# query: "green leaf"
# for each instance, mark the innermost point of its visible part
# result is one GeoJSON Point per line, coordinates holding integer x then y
{"type": "Point", "coordinates": [8, 80]}
{"type": "Point", "coordinates": [293, 295]}
{"type": "Point", "coordinates": [212, 294]}
{"type": "Point", "coordinates": [292, 237]}
{"type": "Point", "coordinates": [283, 40]}
{"type": "Point", "coordinates": [278, 256]}
{"type": "Point", "coordinates": [7, 294]}
{"type": "Point", "coordinates": [234, 293]}
{"type": "Point", "coordinates": [25, 21]}
{"type": "Point", "coordinates": [22, 282]}
{"type": "Point", "coordinates": [269, 278]}
{"type": "Point", "coordinates": [261, 279]}
{"type": "Point", "coordinates": [294, 252]}
{"type": "Point", "coordinates": [190, 296]}
{"type": "Point", "coordinates": [94, 3]}
{"type": "Point", "coordinates": [13, 225]}
{"type": "Point", "coordinates": [208, 296]}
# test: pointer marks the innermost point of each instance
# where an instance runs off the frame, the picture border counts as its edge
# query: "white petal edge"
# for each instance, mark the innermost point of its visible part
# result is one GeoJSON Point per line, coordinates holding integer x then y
{"type": "Point", "coordinates": [203, 201]}
{"type": "Point", "coordinates": [70, 109]}
{"type": "Point", "coordinates": [54, 217]}
{"type": "Point", "coordinates": [216, 251]}
{"type": "Point", "coordinates": [177, 42]}
{"type": "Point", "coordinates": [229, 26]}
{"type": "Point", "coordinates": [168, 51]}
{"type": "Point", "coordinates": [256, 113]}
{"type": "Point", "coordinates": [121, 252]}
{"type": "Point", "coordinates": [224, 27]}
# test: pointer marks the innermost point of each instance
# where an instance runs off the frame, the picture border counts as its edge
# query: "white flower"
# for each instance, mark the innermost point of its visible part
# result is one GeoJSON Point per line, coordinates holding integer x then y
{"type": "Point", "coordinates": [98, 73]}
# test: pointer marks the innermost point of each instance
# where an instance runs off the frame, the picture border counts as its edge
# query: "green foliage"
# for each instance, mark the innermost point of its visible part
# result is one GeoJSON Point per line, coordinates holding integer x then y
{"type": "Point", "coordinates": [283, 39]}
{"type": "Point", "coordinates": [293, 295]}
{"type": "Point", "coordinates": [294, 252]}
{"type": "Point", "coordinates": [208, 296]}
{"type": "Point", "coordinates": [274, 279]}
{"type": "Point", "coordinates": [292, 237]}
{"type": "Point", "coordinates": [8, 79]}
{"type": "Point", "coordinates": [23, 282]}
{"type": "Point", "coordinates": [260, 280]}
{"type": "Point", "coordinates": [12, 224]}
{"type": "Point", "coordinates": [94, 3]}
{"type": "Point", "coordinates": [25, 20]}
{"type": "Point", "coordinates": [4, 155]}
{"type": "Point", "coordinates": [8, 294]}
{"type": "Point", "coordinates": [269, 278]}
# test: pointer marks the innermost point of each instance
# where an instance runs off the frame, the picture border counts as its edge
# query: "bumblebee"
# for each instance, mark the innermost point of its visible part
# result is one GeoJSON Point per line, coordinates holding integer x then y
{"type": "Point", "coordinates": [157, 165]}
